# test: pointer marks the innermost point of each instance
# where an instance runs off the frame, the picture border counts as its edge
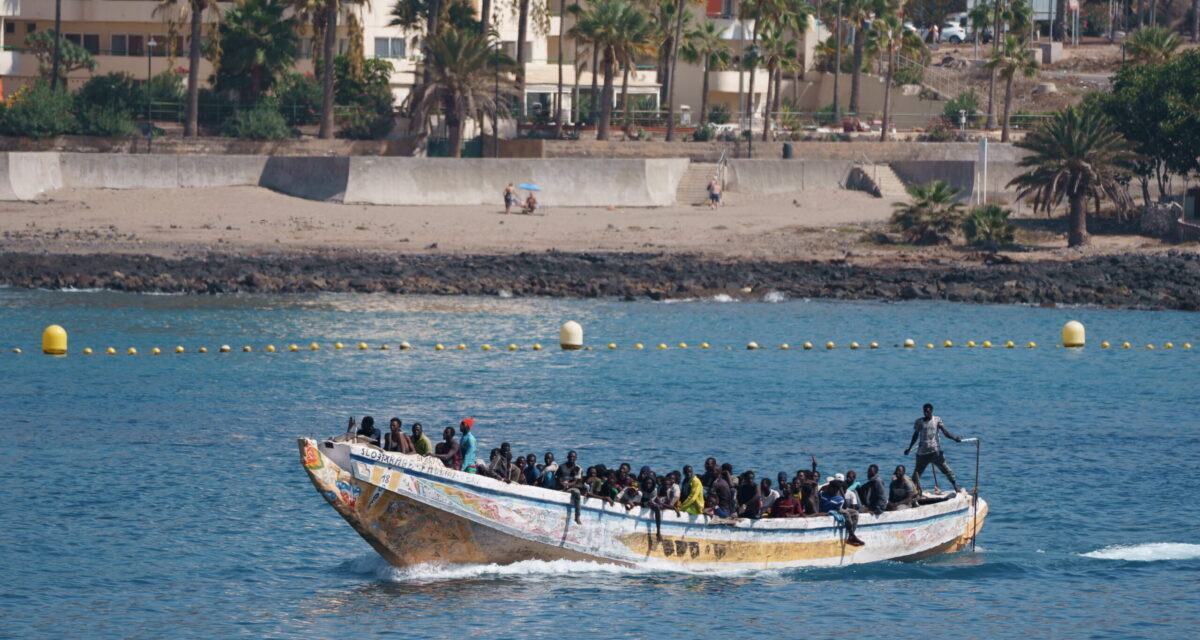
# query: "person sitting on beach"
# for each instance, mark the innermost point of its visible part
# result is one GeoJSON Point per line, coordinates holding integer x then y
{"type": "Point", "coordinates": [569, 478]}
{"type": "Point", "coordinates": [531, 205]}
{"type": "Point", "coordinates": [693, 493]}
{"type": "Point", "coordinates": [421, 444]}
{"type": "Point", "coordinates": [833, 503]}
{"type": "Point", "coordinates": [448, 450]}
{"type": "Point", "coordinates": [510, 198]}
{"type": "Point", "coordinates": [749, 498]}
{"type": "Point", "coordinates": [769, 495]}
{"type": "Point", "coordinates": [368, 430]}
{"type": "Point", "coordinates": [467, 444]}
{"type": "Point", "coordinates": [532, 472]}
{"type": "Point", "coordinates": [872, 494]}
{"type": "Point", "coordinates": [395, 439]}
{"type": "Point", "coordinates": [902, 493]}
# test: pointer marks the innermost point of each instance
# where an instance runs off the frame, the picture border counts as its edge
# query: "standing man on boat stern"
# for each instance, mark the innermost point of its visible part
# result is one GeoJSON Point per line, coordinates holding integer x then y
{"type": "Point", "coordinates": [926, 429]}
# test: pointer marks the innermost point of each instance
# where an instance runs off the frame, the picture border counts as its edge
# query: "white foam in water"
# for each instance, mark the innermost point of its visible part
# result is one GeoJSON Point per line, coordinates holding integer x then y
{"type": "Point", "coordinates": [1148, 552]}
{"type": "Point", "coordinates": [374, 564]}
{"type": "Point", "coordinates": [775, 296]}
{"type": "Point", "coordinates": [723, 297]}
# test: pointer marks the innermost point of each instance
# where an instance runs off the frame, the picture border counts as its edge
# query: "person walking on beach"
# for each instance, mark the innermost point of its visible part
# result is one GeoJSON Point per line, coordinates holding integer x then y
{"type": "Point", "coordinates": [927, 429]}
{"type": "Point", "coordinates": [510, 198]}
{"type": "Point", "coordinates": [714, 193]}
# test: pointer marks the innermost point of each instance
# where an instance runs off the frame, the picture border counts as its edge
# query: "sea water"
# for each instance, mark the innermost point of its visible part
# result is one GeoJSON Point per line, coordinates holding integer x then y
{"type": "Point", "coordinates": [162, 496]}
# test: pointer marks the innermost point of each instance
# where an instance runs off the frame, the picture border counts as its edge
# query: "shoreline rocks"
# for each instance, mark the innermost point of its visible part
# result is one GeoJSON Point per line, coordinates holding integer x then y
{"type": "Point", "coordinates": [1163, 281]}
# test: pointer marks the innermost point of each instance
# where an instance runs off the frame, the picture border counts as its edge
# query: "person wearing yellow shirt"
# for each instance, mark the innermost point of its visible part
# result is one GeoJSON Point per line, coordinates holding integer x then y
{"type": "Point", "coordinates": [693, 501]}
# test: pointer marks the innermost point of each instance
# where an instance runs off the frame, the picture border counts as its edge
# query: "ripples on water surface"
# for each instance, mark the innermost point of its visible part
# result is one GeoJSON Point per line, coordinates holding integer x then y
{"type": "Point", "coordinates": [160, 497]}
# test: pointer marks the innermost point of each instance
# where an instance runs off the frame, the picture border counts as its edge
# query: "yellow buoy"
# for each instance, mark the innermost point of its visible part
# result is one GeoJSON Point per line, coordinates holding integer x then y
{"type": "Point", "coordinates": [587, 348]}
{"type": "Point", "coordinates": [909, 343]}
{"type": "Point", "coordinates": [1169, 345]}
{"type": "Point", "coordinates": [682, 345]}
{"type": "Point", "coordinates": [1073, 334]}
{"type": "Point", "coordinates": [970, 344]}
{"type": "Point", "coordinates": [314, 346]}
{"type": "Point", "coordinates": [362, 346]}
{"type": "Point", "coordinates": [179, 349]}
{"type": "Point", "coordinates": [87, 351]}
{"type": "Point", "coordinates": [405, 346]}
{"type": "Point", "coordinates": [570, 335]}
{"type": "Point", "coordinates": [928, 345]}
{"type": "Point", "coordinates": [784, 347]}
{"type": "Point", "coordinates": [662, 346]}
{"type": "Point", "coordinates": [202, 350]}
{"type": "Point", "coordinates": [1150, 347]}
{"type": "Point", "coordinates": [537, 347]}
{"type": "Point", "coordinates": [292, 347]}
{"type": "Point", "coordinates": [155, 351]}
{"type": "Point", "coordinates": [461, 347]}
{"type": "Point", "coordinates": [247, 349]}
{"type": "Point", "coordinates": [54, 340]}
{"type": "Point", "coordinates": [224, 348]}
{"type": "Point", "coordinates": [111, 351]}
{"type": "Point", "coordinates": [1031, 345]}
{"type": "Point", "coordinates": [338, 346]}
{"type": "Point", "coordinates": [486, 347]}
{"type": "Point", "coordinates": [639, 346]}
{"type": "Point", "coordinates": [384, 347]}
{"type": "Point", "coordinates": [270, 348]}
{"type": "Point", "coordinates": [808, 346]}
{"type": "Point", "coordinates": [703, 345]}
{"type": "Point", "coordinates": [830, 345]}
{"type": "Point", "coordinates": [948, 344]}
{"type": "Point", "coordinates": [132, 351]}
{"type": "Point", "coordinates": [18, 350]}
{"type": "Point", "coordinates": [1187, 345]}
{"type": "Point", "coordinates": [612, 345]}
{"type": "Point", "coordinates": [853, 345]}
{"type": "Point", "coordinates": [1105, 345]}
{"type": "Point", "coordinates": [752, 345]}
{"type": "Point", "coordinates": [987, 344]}
{"type": "Point", "coordinates": [874, 345]}
{"type": "Point", "coordinates": [1009, 345]}
{"type": "Point", "coordinates": [1126, 345]}
{"type": "Point", "coordinates": [511, 347]}
{"type": "Point", "coordinates": [438, 347]}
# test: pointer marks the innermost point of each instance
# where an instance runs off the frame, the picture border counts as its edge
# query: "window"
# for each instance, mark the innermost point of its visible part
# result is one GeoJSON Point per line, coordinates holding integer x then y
{"type": "Point", "coordinates": [389, 47]}
{"type": "Point", "coordinates": [137, 45]}
{"type": "Point", "coordinates": [342, 43]}
{"type": "Point", "coordinates": [510, 49]}
{"type": "Point", "coordinates": [10, 27]}
{"type": "Point", "coordinates": [118, 46]}
{"type": "Point", "coordinates": [73, 37]}
{"type": "Point", "coordinates": [306, 48]}
{"type": "Point", "coordinates": [91, 42]}
{"type": "Point", "coordinates": [30, 27]}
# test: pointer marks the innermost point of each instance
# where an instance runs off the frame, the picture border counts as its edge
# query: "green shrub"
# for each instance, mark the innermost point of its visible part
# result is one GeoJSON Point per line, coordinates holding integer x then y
{"type": "Point", "coordinates": [930, 216]}
{"type": "Point", "coordinates": [826, 115]}
{"type": "Point", "coordinates": [37, 112]}
{"type": "Point", "coordinates": [705, 133]}
{"type": "Point", "coordinates": [967, 101]}
{"type": "Point", "coordinates": [263, 122]}
{"type": "Point", "coordinates": [299, 98]}
{"type": "Point", "coordinates": [988, 227]}
{"type": "Point", "coordinates": [908, 74]}
{"type": "Point", "coordinates": [940, 130]}
{"type": "Point", "coordinates": [362, 124]}
{"type": "Point", "coordinates": [108, 122]}
{"type": "Point", "coordinates": [111, 90]}
{"type": "Point", "coordinates": [215, 107]}
{"type": "Point", "coordinates": [718, 114]}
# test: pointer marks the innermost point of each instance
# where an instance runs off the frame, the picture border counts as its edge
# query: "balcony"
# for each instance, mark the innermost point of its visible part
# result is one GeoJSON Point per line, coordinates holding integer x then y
{"type": "Point", "coordinates": [10, 8]}
{"type": "Point", "coordinates": [727, 81]}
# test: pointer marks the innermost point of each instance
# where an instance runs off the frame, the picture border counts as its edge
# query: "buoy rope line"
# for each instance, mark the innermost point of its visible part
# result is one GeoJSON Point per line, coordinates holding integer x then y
{"type": "Point", "coordinates": [662, 346]}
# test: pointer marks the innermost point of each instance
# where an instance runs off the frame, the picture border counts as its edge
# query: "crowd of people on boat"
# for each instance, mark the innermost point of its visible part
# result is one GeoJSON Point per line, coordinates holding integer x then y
{"type": "Point", "coordinates": [717, 491]}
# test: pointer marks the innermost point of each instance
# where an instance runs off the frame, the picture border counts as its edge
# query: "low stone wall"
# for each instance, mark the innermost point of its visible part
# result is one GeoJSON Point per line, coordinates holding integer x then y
{"type": "Point", "coordinates": [784, 176]}
{"type": "Point", "coordinates": [212, 146]}
{"type": "Point", "coordinates": [142, 171]}
{"type": "Point", "coordinates": [25, 176]}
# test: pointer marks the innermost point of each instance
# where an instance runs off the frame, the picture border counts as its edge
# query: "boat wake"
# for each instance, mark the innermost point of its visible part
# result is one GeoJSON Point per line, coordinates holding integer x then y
{"type": "Point", "coordinates": [1147, 552]}
{"type": "Point", "coordinates": [373, 564]}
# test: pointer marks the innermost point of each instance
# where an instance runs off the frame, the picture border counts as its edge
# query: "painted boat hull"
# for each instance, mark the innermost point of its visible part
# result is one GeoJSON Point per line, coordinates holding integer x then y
{"type": "Point", "coordinates": [413, 510]}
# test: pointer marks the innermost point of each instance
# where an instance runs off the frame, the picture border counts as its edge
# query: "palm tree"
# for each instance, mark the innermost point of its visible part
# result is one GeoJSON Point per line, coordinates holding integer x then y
{"type": "Point", "coordinates": [980, 17]}
{"type": "Point", "coordinates": [931, 215]}
{"type": "Point", "coordinates": [1012, 58]}
{"type": "Point", "coordinates": [323, 15]}
{"type": "Point", "coordinates": [260, 45]}
{"type": "Point", "coordinates": [1077, 154]}
{"type": "Point", "coordinates": [196, 9]}
{"type": "Point", "coordinates": [639, 35]}
{"type": "Point", "coordinates": [607, 25]}
{"type": "Point", "coordinates": [777, 50]}
{"type": "Point", "coordinates": [704, 46]}
{"type": "Point", "coordinates": [1152, 45]}
{"type": "Point", "coordinates": [889, 34]}
{"type": "Point", "coordinates": [463, 68]}
{"type": "Point", "coordinates": [988, 227]}
{"type": "Point", "coordinates": [857, 13]}
{"type": "Point", "coordinates": [522, 33]}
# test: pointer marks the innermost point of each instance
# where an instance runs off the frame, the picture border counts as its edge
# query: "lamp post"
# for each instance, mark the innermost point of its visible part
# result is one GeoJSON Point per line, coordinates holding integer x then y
{"type": "Point", "coordinates": [149, 74]}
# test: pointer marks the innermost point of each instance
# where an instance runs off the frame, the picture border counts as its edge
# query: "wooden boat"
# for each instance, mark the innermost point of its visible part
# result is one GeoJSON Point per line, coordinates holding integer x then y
{"type": "Point", "coordinates": [414, 510]}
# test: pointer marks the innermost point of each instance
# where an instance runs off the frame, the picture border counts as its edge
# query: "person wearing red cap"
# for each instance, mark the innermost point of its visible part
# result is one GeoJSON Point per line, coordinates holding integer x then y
{"type": "Point", "coordinates": [467, 445]}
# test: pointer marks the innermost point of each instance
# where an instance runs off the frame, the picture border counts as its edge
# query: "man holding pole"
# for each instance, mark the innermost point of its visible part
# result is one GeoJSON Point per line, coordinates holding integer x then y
{"type": "Point", "coordinates": [926, 429]}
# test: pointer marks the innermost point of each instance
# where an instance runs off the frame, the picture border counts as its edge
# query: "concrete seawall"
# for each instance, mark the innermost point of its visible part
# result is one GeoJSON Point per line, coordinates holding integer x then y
{"type": "Point", "coordinates": [784, 176]}
{"type": "Point", "coordinates": [361, 179]}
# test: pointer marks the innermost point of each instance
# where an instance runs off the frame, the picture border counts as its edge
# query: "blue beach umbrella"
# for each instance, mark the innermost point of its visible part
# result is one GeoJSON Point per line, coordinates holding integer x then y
{"type": "Point", "coordinates": [529, 187]}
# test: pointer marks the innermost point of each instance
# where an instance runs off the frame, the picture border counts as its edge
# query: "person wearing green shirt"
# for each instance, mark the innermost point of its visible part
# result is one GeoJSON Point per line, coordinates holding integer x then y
{"type": "Point", "coordinates": [421, 443]}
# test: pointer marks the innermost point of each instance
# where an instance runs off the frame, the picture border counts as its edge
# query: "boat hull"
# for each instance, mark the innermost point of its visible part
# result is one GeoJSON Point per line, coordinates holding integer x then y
{"type": "Point", "coordinates": [413, 510]}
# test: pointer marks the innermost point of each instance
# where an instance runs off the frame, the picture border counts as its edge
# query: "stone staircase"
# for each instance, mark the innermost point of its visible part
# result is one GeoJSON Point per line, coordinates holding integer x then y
{"type": "Point", "coordinates": [890, 186]}
{"type": "Point", "coordinates": [692, 189]}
